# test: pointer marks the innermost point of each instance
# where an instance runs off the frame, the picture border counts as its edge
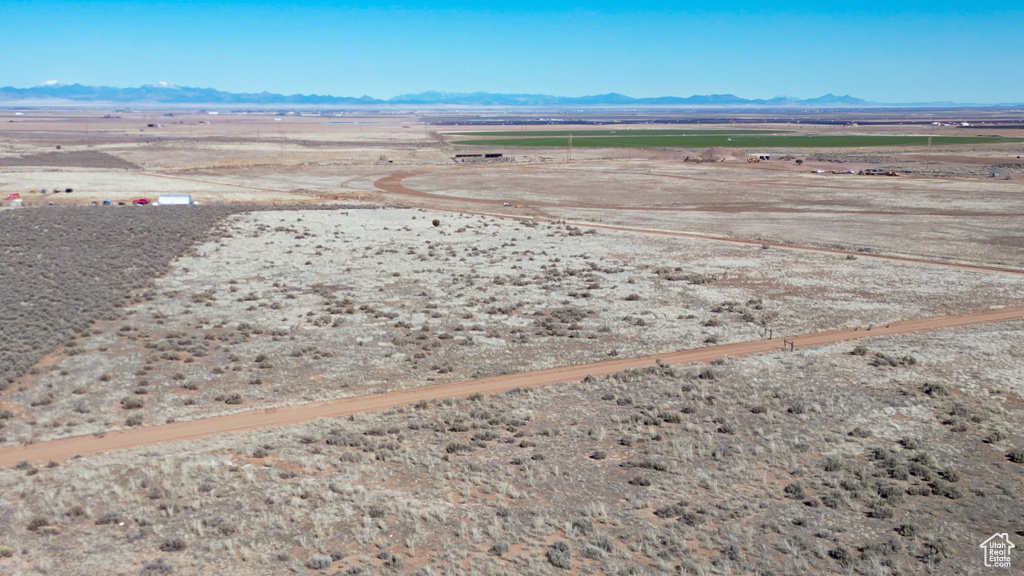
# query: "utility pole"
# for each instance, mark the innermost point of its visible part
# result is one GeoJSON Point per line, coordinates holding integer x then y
{"type": "Point", "coordinates": [568, 151]}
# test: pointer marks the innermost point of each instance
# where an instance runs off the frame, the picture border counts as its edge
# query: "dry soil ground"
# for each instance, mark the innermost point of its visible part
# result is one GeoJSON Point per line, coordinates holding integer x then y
{"type": "Point", "coordinates": [813, 461]}
{"type": "Point", "coordinates": [303, 306]}
{"type": "Point", "coordinates": [896, 457]}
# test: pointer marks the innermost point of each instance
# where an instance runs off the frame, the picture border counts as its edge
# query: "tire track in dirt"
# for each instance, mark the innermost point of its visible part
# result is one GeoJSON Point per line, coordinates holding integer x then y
{"type": "Point", "coordinates": [214, 183]}
{"type": "Point", "coordinates": [393, 184]}
{"type": "Point", "coordinates": [62, 449]}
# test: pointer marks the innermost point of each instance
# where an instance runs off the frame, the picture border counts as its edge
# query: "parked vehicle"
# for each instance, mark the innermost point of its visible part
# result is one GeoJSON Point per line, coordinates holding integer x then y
{"type": "Point", "coordinates": [140, 201]}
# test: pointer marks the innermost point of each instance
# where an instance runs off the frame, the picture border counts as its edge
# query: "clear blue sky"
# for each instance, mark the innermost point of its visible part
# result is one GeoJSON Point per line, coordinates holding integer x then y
{"type": "Point", "coordinates": [880, 51]}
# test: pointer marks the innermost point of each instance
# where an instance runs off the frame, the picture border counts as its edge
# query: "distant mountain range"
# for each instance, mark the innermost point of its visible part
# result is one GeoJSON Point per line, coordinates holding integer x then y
{"type": "Point", "coordinates": [165, 93]}
{"type": "Point", "coordinates": [613, 99]}
{"type": "Point", "coordinates": [169, 94]}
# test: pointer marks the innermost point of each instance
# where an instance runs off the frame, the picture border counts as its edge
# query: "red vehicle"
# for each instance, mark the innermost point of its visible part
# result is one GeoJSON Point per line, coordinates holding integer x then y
{"type": "Point", "coordinates": [140, 201]}
{"type": "Point", "coordinates": [14, 196]}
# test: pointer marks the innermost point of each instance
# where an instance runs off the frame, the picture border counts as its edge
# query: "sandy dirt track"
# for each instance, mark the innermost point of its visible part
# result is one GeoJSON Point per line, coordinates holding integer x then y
{"type": "Point", "coordinates": [394, 184]}
{"type": "Point", "coordinates": [59, 450]}
{"type": "Point", "coordinates": [242, 186]}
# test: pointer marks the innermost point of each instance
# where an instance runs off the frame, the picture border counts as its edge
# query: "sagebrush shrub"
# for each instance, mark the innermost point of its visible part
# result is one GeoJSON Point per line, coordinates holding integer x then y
{"type": "Point", "coordinates": [559, 555]}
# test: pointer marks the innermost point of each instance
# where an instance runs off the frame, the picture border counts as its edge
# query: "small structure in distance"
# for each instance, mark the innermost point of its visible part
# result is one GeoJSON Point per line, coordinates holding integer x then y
{"type": "Point", "coordinates": [477, 158]}
{"type": "Point", "coordinates": [176, 200]}
{"type": "Point", "coordinates": [878, 172]}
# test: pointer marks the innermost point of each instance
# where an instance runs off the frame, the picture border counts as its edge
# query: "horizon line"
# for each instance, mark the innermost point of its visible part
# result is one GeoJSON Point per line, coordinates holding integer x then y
{"type": "Point", "coordinates": [408, 99]}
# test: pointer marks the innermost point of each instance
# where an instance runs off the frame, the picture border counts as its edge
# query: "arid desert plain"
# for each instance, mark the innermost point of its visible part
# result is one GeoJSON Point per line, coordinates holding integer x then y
{"type": "Point", "coordinates": [371, 349]}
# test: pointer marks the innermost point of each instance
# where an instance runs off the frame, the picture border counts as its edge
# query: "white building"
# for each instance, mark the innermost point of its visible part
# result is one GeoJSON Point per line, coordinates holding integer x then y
{"type": "Point", "coordinates": [175, 199]}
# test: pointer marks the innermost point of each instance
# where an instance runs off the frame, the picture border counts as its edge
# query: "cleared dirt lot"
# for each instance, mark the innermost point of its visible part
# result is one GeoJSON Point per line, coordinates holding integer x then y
{"type": "Point", "coordinates": [227, 158]}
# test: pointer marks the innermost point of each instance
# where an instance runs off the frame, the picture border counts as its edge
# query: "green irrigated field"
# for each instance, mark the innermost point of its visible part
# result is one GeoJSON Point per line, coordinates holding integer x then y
{"type": "Point", "coordinates": [621, 132]}
{"type": "Point", "coordinates": [731, 140]}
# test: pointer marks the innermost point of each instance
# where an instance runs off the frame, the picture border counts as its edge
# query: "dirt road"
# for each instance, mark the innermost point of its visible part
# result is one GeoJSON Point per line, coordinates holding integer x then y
{"type": "Point", "coordinates": [59, 450]}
